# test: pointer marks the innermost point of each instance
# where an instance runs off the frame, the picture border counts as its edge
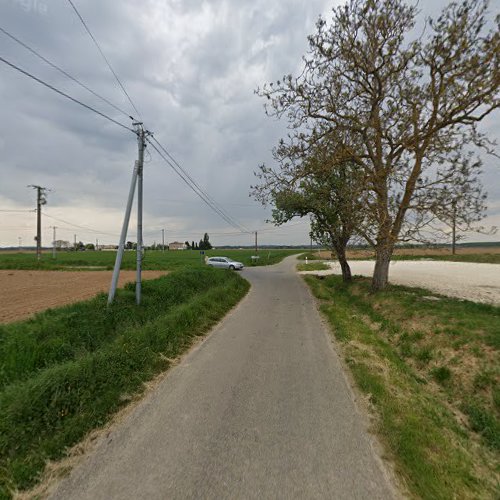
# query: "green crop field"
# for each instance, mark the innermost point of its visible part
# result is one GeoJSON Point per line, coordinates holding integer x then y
{"type": "Point", "coordinates": [153, 259]}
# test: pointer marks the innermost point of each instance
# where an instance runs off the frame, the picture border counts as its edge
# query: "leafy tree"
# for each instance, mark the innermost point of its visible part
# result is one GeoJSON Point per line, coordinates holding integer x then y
{"type": "Point", "coordinates": [129, 245]}
{"type": "Point", "coordinates": [407, 104]}
{"type": "Point", "coordinates": [89, 246]}
{"type": "Point", "coordinates": [330, 192]}
{"type": "Point", "coordinates": [206, 242]}
{"type": "Point", "coordinates": [188, 246]}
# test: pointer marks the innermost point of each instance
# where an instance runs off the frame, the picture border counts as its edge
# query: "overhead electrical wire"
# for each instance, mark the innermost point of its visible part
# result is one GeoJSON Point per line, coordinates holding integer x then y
{"type": "Point", "coordinates": [198, 191]}
{"type": "Point", "coordinates": [60, 92]}
{"type": "Point", "coordinates": [197, 185]}
{"type": "Point", "coordinates": [169, 159]}
{"type": "Point", "coordinates": [78, 225]}
{"type": "Point", "coordinates": [234, 223]}
{"type": "Point", "coordinates": [103, 56]}
{"type": "Point", "coordinates": [17, 211]}
{"type": "Point", "coordinates": [65, 73]}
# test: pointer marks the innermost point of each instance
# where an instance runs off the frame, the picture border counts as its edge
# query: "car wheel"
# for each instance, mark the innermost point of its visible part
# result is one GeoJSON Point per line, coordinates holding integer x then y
{"type": "Point", "coordinates": [231, 267]}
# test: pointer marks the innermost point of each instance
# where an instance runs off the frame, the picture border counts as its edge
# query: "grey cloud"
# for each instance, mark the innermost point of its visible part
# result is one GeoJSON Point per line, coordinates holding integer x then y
{"type": "Point", "coordinates": [192, 67]}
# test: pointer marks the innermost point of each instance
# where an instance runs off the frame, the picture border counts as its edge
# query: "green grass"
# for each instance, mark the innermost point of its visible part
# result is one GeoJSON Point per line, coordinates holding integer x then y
{"type": "Point", "coordinates": [67, 370]}
{"type": "Point", "coordinates": [313, 266]}
{"type": "Point", "coordinates": [309, 256]}
{"type": "Point", "coordinates": [422, 363]}
{"type": "Point", "coordinates": [154, 259]}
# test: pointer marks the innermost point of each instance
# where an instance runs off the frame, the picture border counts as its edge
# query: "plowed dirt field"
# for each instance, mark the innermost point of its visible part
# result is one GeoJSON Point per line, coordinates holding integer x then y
{"type": "Point", "coordinates": [24, 293]}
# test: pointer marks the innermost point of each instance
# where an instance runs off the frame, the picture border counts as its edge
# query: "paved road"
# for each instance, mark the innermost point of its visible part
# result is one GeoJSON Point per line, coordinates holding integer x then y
{"type": "Point", "coordinates": [260, 409]}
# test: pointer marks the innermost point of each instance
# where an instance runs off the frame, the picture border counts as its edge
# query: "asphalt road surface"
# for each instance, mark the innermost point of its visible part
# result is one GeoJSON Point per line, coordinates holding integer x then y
{"type": "Point", "coordinates": [260, 409]}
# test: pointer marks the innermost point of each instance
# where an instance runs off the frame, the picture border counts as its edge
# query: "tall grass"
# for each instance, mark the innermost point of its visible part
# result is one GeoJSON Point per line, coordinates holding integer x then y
{"type": "Point", "coordinates": [68, 370]}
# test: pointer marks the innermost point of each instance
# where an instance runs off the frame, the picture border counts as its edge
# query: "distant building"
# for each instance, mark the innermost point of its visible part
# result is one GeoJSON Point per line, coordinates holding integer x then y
{"type": "Point", "coordinates": [177, 245]}
{"type": "Point", "coordinates": [108, 247]}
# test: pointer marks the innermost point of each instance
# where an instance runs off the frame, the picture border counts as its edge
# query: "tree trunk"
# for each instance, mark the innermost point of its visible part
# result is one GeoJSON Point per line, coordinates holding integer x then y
{"type": "Point", "coordinates": [454, 228]}
{"type": "Point", "coordinates": [344, 265]}
{"type": "Point", "coordinates": [381, 271]}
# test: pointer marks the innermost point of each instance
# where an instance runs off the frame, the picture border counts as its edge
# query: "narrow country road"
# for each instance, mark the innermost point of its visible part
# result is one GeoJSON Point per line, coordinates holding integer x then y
{"type": "Point", "coordinates": [260, 409]}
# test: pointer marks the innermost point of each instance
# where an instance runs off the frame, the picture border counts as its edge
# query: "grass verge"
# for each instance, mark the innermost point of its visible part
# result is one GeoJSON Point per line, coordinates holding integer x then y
{"type": "Point", "coordinates": [429, 367]}
{"type": "Point", "coordinates": [313, 266]}
{"type": "Point", "coordinates": [68, 370]}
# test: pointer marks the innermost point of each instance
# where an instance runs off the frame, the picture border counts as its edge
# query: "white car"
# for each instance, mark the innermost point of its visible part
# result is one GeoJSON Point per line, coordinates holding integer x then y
{"type": "Point", "coordinates": [224, 263]}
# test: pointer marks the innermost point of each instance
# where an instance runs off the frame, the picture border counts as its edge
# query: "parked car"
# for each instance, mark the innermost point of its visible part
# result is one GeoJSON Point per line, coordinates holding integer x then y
{"type": "Point", "coordinates": [224, 263]}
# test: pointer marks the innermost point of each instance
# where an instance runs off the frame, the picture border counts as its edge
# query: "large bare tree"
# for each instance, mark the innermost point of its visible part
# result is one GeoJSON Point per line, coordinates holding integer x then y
{"type": "Point", "coordinates": [407, 98]}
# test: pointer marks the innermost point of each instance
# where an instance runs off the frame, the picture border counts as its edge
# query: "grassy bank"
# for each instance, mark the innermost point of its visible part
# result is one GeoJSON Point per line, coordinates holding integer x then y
{"type": "Point", "coordinates": [313, 266]}
{"type": "Point", "coordinates": [154, 259]}
{"type": "Point", "coordinates": [67, 370]}
{"type": "Point", "coordinates": [430, 368]}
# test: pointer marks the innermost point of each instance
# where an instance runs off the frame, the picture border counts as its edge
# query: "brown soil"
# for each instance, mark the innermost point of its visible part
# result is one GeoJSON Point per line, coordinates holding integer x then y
{"type": "Point", "coordinates": [24, 293]}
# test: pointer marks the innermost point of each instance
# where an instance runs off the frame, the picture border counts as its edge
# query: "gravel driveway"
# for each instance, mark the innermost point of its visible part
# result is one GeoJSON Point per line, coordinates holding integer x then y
{"type": "Point", "coordinates": [476, 282]}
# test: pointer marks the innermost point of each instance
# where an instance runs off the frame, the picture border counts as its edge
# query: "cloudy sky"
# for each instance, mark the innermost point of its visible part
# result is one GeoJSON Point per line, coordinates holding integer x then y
{"type": "Point", "coordinates": [191, 67]}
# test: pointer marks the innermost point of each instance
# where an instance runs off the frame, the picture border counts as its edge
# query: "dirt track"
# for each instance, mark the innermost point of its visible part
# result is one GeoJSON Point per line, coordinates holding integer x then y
{"type": "Point", "coordinates": [23, 293]}
{"type": "Point", "coordinates": [464, 280]}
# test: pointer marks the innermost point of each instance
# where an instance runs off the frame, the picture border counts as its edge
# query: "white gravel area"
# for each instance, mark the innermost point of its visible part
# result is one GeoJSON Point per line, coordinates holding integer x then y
{"type": "Point", "coordinates": [464, 280]}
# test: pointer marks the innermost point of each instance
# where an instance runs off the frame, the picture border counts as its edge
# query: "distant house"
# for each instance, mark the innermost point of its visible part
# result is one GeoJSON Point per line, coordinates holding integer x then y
{"type": "Point", "coordinates": [177, 245]}
{"type": "Point", "coordinates": [108, 248]}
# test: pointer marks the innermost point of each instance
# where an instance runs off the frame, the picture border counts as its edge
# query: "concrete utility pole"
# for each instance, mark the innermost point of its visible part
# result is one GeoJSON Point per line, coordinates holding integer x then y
{"type": "Point", "coordinates": [256, 247]}
{"type": "Point", "coordinates": [54, 242]}
{"type": "Point", "coordinates": [74, 244]}
{"type": "Point", "coordinates": [20, 240]}
{"type": "Point", "coordinates": [41, 199]}
{"type": "Point", "coordinates": [140, 164]}
{"type": "Point", "coordinates": [163, 240]}
{"type": "Point", "coordinates": [136, 179]}
{"type": "Point", "coordinates": [96, 244]}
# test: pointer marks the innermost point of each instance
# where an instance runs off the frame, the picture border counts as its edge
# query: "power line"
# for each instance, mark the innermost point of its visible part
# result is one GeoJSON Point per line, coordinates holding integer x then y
{"type": "Point", "coordinates": [17, 211]}
{"type": "Point", "coordinates": [103, 56]}
{"type": "Point", "coordinates": [79, 226]}
{"type": "Point", "coordinates": [60, 92]}
{"type": "Point", "coordinates": [65, 73]}
{"type": "Point", "coordinates": [199, 192]}
{"type": "Point", "coordinates": [198, 187]}
{"type": "Point", "coordinates": [172, 162]}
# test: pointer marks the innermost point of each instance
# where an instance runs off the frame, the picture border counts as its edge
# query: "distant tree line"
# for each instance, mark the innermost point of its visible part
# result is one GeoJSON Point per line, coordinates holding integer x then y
{"type": "Point", "coordinates": [204, 244]}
